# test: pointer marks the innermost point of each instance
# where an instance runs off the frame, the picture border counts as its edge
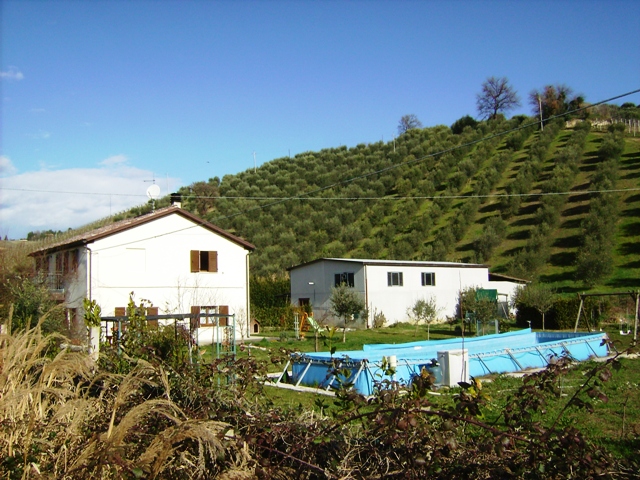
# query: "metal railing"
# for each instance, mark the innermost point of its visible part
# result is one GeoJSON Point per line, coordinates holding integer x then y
{"type": "Point", "coordinates": [54, 282]}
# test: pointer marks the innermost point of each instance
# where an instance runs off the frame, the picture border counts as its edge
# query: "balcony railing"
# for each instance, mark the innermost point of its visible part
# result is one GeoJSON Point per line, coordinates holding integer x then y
{"type": "Point", "coordinates": [54, 282]}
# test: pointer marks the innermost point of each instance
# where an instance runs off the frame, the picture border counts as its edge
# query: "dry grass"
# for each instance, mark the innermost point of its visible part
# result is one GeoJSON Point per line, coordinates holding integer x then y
{"type": "Point", "coordinates": [60, 417]}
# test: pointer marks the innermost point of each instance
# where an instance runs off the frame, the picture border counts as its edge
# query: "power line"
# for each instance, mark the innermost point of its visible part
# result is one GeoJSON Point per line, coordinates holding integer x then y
{"type": "Point", "coordinates": [359, 177]}
{"type": "Point", "coordinates": [395, 197]}
{"type": "Point", "coordinates": [306, 196]}
{"type": "Point", "coordinates": [425, 157]}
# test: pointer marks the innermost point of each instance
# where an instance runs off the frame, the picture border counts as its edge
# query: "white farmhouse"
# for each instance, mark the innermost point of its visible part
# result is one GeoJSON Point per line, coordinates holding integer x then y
{"type": "Point", "coordinates": [170, 257]}
{"type": "Point", "coordinates": [392, 286]}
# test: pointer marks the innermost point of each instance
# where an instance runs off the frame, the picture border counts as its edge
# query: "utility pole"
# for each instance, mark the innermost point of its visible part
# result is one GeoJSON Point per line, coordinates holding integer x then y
{"type": "Point", "coordinates": [254, 162]}
{"type": "Point", "coordinates": [540, 110]}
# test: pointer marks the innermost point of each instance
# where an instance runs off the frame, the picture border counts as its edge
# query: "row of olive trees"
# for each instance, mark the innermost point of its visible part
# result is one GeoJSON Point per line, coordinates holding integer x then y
{"type": "Point", "coordinates": [359, 218]}
{"type": "Point", "coordinates": [528, 261]}
{"type": "Point", "coordinates": [312, 228]}
{"type": "Point", "coordinates": [595, 254]}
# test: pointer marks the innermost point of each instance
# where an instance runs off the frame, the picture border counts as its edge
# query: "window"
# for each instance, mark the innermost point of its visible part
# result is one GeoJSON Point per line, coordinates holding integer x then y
{"type": "Point", "coordinates": [428, 279]}
{"type": "Point", "coordinates": [60, 262]}
{"type": "Point", "coordinates": [42, 264]}
{"type": "Point", "coordinates": [208, 316]}
{"type": "Point", "coordinates": [394, 279]}
{"type": "Point", "coordinates": [346, 277]}
{"type": "Point", "coordinates": [204, 261]}
{"type": "Point", "coordinates": [73, 260]}
{"type": "Point", "coordinates": [147, 312]}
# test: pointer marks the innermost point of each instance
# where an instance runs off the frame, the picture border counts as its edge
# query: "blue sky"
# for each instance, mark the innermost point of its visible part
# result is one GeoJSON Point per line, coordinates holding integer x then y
{"type": "Point", "coordinates": [99, 97]}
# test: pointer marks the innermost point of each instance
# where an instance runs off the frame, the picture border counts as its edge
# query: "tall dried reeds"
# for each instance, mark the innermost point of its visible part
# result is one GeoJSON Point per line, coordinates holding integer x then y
{"type": "Point", "coordinates": [61, 417]}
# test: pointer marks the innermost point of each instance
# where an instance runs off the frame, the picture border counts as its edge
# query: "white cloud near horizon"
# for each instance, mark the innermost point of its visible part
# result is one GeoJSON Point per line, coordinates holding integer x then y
{"type": "Point", "coordinates": [41, 135]}
{"type": "Point", "coordinates": [69, 198]}
{"type": "Point", "coordinates": [6, 166]}
{"type": "Point", "coordinates": [13, 73]}
{"type": "Point", "coordinates": [114, 160]}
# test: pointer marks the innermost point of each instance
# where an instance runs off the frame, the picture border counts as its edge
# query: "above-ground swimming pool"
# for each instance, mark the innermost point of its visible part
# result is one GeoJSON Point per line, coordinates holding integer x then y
{"type": "Point", "coordinates": [457, 358]}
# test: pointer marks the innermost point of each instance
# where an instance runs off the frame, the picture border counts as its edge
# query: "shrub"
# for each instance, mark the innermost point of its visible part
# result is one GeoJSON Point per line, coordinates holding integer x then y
{"type": "Point", "coordinates": [459, 125]}
{"type": "Point", "coordinates": [379, 320]}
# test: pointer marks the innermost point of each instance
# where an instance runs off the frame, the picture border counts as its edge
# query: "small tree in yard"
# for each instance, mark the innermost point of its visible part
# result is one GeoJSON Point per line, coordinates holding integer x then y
{"type": "Point", "coordinates": [537, 296]}
{"type": "Point", "coordinates": [482, 308]}
{"type": "Point", "coordinates": [424, 311]}
{"type": "Point", "coordinates": [345, 303]}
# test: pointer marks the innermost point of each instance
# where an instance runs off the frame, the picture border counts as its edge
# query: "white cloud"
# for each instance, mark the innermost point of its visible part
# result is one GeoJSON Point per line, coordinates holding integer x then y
{"type": "Point", "coordinates": [41, 135]}
{"type": "Point", "coordinates": [13, 73]}
{"type": "Point", "coordinates": [70, 198]}
{"type": "Point", "coordinates": [114, 160]}
{"type": "Point", "coordinates": [6, 167]}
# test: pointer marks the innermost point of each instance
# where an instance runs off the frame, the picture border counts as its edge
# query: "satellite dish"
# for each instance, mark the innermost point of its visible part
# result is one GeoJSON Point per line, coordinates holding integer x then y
{"type": "Point", "coordinates": [153, 191]}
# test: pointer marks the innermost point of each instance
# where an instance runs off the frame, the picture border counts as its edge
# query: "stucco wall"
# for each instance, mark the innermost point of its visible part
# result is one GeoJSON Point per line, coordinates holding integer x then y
{"type": "Point", "coordinates": [153, 261]}
{"type": "Point", "coordinates": [314, 281]}
{"type": "Point", "coordinates": [394, 301]}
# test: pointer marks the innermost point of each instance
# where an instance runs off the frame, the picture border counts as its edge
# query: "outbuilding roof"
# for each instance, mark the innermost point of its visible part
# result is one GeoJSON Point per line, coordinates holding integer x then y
{"type": "Point", "coordinates": [396, 263]}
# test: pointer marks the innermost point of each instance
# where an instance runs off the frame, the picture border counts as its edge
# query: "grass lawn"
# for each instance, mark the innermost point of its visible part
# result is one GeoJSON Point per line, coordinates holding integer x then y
{"type": "Point", "coordinates": [614, 423]}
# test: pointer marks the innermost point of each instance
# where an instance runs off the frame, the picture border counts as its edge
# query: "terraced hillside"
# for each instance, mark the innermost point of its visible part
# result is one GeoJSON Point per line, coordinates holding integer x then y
{"type": "Point", "coordinates": [561, 204]}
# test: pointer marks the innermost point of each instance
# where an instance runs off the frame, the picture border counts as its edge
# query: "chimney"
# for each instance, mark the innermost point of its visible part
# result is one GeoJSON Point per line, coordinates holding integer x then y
{"type": "Point", "coordinates": [176, 200]}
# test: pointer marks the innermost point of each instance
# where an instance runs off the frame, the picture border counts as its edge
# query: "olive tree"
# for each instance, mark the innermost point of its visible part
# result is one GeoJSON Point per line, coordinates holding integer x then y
{"type": "Point", "coordinates": [425, 310]}
{"type": "Point", "coordinates": [346, 303]}
{"type": "Point", "coordinates": [537, 296]}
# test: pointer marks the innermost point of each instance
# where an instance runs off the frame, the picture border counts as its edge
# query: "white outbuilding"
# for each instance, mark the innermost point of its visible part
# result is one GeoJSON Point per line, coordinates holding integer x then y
{"type": "Point", "coordinates": [392, 287]}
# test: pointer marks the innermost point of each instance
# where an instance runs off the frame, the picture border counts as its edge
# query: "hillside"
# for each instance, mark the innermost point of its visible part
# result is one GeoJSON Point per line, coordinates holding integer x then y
{"type": "Point", "coordinates": [519, 201]}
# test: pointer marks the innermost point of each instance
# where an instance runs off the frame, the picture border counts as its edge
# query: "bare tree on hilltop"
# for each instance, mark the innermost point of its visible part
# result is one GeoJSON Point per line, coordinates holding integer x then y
{"type": "Point", "coordinates": [408, 122]}
{"type": "Point", "coordinates": [497, 96]}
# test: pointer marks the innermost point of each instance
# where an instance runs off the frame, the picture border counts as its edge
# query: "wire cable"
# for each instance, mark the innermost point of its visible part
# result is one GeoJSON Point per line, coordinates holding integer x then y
{"type": "Point", "coordinates": [306, 195]}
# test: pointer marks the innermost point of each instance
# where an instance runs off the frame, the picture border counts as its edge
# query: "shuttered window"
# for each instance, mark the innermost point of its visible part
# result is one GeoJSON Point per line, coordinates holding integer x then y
{"type": "Point", "coordinates": [223, 309]}
{"type": "Point", "coordinates": [73, 260]}
{"type": "Point", "coordinates": [204, 261]}
{"type": "Point", "coordinates": [152, 323]}
{"type": "Point", "coordinates": [195, 321]}
{"type": "Point", "coordinates": [204, 320]}
{"type": "Point", "coordinates": [122, 312]}
{"type": "Point", "coordinates": [60, 256]}
{"type": "Point", "coordinates": [42, 264]}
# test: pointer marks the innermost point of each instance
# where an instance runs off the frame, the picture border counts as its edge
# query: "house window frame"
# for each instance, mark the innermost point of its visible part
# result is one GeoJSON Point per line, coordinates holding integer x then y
{"type": "Point", "coordinates": [395, 279]}
{"type": "Point", "coordinates": [428, 279]}
{"type": "Point", "coordinates": [206, 321]}
{"type": "Point", "coordinates": [204, 261]}
{"type": "Point", "coordinates": [348, 278]}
